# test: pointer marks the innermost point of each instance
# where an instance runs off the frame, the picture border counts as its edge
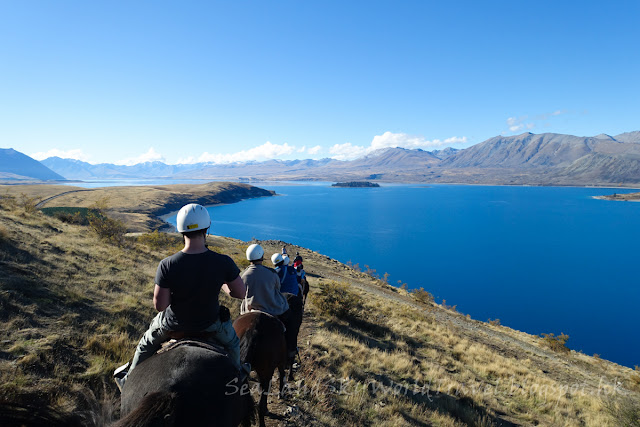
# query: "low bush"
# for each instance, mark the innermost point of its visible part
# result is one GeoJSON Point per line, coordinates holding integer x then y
{"type": "Point", "coordinates": [422, 296]}
{"type": "Point", "coordinates": [29, 204]}
{"type": "Point", "coordinates": [556, 343]}
{"type": "Point", "coordinates": [336, 299]}
{"type": "Point", "coordinates": [156, 240]}
{"type": "Point", "coordinates": [107, 229]}
{"type": "Point", "coordinates": [494, 322]}
{"type": "Point", "coordinates": [7, 202]}
{"type": "Point", "coordinates": [71, 215]}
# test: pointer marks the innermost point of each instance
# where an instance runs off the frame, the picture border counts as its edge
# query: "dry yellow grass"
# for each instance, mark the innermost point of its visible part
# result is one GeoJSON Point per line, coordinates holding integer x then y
{"type": "Point", "coordinates": [139, 207]}
{"type": "Point", "coordinates": [73, 307]}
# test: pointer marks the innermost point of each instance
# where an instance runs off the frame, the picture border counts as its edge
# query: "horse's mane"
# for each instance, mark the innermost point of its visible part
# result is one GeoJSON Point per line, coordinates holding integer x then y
{"type": "Point", "coordinates": [156, 409]}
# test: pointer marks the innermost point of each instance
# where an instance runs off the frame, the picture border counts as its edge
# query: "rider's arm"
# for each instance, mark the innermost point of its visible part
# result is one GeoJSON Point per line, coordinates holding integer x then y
{"type": "Point", "coordinates": [161, 298]}
{"type": "Point", "coordinates": [235, 288]}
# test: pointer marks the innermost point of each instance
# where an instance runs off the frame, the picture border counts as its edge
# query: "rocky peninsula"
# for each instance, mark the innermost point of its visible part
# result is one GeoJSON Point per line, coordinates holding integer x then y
{"type": "Point", "coordinates": [628, 197]}
{"type": "Point", "coordinates": [356, 184]}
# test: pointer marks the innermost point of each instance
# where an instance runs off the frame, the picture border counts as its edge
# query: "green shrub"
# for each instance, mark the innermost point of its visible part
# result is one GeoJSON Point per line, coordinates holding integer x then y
{"type": "Point", "coordinates": [108, 229]}
{"type": "Point", "coordinates": [556, 343]}
{"type": "Point", "coordinates": [336, 299]}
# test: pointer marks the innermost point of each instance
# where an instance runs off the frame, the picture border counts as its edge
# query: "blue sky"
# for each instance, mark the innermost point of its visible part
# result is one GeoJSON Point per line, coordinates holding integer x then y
{"type": "Point", "coordinates": [124, 82]}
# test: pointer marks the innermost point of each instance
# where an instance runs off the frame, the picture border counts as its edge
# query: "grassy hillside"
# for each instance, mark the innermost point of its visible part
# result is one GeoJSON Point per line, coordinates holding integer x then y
{"type": "Point", "coordinates": [138, 207]}
{"type": "Point", "coordinates": [73, 306]}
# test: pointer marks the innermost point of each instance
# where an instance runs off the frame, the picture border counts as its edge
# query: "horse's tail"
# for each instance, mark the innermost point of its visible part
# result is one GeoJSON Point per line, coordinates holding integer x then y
{"type": "Point", "coordinates": [249, 344]}
{"type": "Point", "coordinates": [18, 414]}
{"type": "Point", "coordinates": [156, 409]}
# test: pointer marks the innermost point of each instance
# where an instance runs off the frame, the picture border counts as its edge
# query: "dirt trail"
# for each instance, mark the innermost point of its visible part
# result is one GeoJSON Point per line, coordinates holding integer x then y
{"type": "Point", "coordinates": [41, 203]}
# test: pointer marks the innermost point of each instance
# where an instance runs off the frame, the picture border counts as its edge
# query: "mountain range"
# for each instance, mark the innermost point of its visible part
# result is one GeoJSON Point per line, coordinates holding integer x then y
{"type": "Point", "coordinates": [526, 159]}
{"type": "Point", "coordinates": [17, 166]}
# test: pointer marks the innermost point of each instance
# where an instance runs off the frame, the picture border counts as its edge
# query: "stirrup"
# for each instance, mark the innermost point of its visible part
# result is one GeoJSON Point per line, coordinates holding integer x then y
{"type": "Point", "coordinates": [120, 383]}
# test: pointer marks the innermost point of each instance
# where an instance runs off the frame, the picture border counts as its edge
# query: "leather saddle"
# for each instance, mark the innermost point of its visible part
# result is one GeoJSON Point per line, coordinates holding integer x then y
{"type": "Point", "coordinates": [193, 339]}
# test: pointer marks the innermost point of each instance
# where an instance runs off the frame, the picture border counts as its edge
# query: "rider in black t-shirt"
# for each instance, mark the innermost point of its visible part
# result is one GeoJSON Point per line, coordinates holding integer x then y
{"type": "Point", "coordinates": [187, 289]}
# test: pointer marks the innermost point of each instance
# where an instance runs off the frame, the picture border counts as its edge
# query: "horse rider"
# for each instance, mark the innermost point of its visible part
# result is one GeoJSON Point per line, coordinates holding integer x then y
{"type": "Point", "coordinates": [289, 285]}
{"type": "Point", "coordinates": [297, 259]}
{"type": "Point", "coordinates": [187, 287]}
{"type": "Point", "coordinates": [263, 286]}
{"type": "Point", "coordinates": [287, 274]}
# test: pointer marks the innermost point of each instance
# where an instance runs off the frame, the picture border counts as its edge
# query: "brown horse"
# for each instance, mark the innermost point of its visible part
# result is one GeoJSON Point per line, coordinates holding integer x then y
{"type": "Point", "coordinates": [304, 284]}
{"type": "Point", "coordinates": [189, 385]}
{"type": "Point", "coordinates": [262, 344]}
{"type": "Point", "coordinates": [296, 310]}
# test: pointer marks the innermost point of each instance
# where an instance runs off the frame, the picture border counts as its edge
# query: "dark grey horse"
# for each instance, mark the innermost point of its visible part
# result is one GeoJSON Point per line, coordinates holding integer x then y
{"type": "Point", "coordinates": [186, 386]}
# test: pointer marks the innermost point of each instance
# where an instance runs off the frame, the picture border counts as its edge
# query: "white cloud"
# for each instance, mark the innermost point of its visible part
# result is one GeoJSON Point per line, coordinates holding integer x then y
{"type": "Point", "coordinates": [262, 152]}
{"type": "Point", "coordinates": [348, 151]}
{"type": "Point", "coordinates": [150, 156]}
{"type": "Point", "coordinates": [403, 140]}
{"type": "Point", "coordinates": [546, 116]}
{"type": "Point", "coordinates": [75, 154]}
{"type": "Point", "coordinates": [314, 150]}
{"type": "Point", "coordinates": [518, 124]}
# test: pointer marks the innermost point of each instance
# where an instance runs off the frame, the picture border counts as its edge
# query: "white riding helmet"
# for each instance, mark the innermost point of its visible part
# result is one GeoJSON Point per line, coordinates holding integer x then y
{"type": "Point", "coordinates": [192, 217]}
{"type": "Point", "coordinates": [286, 259]}
{"type": "Point", "coordinates": [255, 252]}
{"type": "Point", "coordinates": [276, 258]}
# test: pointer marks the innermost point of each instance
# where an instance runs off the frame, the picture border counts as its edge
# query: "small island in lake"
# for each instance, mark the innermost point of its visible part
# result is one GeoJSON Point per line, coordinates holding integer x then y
{"type": "Point", "coordinates": [356, 184]}
{"type": "Point", "coordinates": [631, 197]}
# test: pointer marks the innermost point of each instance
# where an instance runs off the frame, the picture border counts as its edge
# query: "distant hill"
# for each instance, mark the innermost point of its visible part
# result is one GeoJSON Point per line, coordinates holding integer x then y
{"type": "Point", "coordinates": [76, 169]}
{"type": "Point", "coordinates": [526, 150]}
{"type": "Point", "coordinates": [555, 158]}
{"type": "Point", "coordinates": [526, 159]}
{"type": "Point", "coordinates": [629, 137]}
{"type": "Point", "coordinates": [443, 154]}
{"type": "Point", "coordinates": [19, 166]}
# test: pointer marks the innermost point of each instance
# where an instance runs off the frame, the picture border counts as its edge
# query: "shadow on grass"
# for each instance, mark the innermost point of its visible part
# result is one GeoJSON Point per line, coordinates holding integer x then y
{"type": "Point", "coordinates": [383, 338]}
{"type": "Point", "coordinates": [373, 335]}
{"type": "Point", "coordinates": [463, 409]}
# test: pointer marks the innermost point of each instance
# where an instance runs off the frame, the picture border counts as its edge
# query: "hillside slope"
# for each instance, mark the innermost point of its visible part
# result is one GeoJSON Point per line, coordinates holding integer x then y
{"type": "Point", "coordinates": [139, 207]}
{"type": "Point", "coordinates": [15, 165]}
{"type": "Point", "coordinates": [74, 306]}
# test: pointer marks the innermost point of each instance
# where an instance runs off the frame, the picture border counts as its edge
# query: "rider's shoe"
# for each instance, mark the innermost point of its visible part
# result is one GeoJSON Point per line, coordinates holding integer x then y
{"type": "Point", "coordinates": [120, 374]}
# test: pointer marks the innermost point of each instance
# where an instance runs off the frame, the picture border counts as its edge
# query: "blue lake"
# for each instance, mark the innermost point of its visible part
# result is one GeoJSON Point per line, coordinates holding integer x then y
{"type": "Point", "coordinates": [541, 259]}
